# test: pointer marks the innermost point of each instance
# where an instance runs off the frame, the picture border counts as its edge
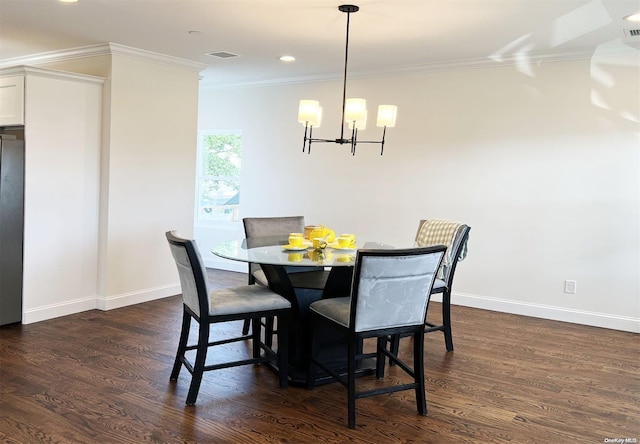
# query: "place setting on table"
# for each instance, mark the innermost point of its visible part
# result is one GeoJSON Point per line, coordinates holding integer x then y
{"type": "Point", "coordinates": [320, 244]}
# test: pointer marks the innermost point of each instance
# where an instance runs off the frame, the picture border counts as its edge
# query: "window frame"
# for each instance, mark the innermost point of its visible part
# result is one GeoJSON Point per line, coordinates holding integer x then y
{"type": "Point", "coordinates": [200, 178]}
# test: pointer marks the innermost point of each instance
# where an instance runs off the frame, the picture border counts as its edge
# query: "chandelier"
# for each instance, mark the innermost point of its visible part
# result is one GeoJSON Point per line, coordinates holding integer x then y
{"type": "Point", "coordinates": [354, 111]}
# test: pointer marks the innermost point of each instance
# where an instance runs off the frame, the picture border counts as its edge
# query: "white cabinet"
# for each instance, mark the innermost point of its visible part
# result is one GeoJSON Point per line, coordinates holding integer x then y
{"type": "Point", "coordinates": [12, 100]}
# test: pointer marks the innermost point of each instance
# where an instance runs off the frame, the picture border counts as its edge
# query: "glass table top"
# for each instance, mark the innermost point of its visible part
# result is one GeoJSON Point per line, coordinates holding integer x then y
{"type": "Point", "coordinates": [273, 250]}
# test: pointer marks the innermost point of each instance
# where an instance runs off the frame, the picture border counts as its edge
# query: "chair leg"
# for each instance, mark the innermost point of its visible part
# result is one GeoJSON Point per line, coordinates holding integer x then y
{"type": "Point", "coordinates": [245, 327]}
{"type": "Point", "coordinates": [418, 371]}
{"type": "Point", "coordinates": [446, 319]}
{"type": "Point", "coordinates": [198, 366]}
{"type": "Point", "coordinates": [247, 322]}
{"type": "Point", "coordinates": [351, 382]}
{"type": "Point", "coordinates": [255, 336]}
{"type": "Point", "coordinates": [268, 339]}
{"type": "Point", "coordinates": [182, 345]}
{"type": "Point", "coordinates": [283, 348]}
{"type": "Point", "coordinates": [394, 347]}
{"type": "Point", "coordinates": [381, 358]}
{"type": "Point", "coordinates": [268, 331]}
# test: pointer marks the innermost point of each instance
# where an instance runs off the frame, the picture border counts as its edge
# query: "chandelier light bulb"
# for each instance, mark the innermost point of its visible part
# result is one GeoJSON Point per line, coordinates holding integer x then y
{"type": "Point", "coordinates": [308, 111]}
{"type": "Point", "coordinates": [360, 124]}
{"type": "Point", "coordinates": [387, 116]}
{"type": "Point", "coordinates": [355, 110]}
{"type": "Point", "coordinates": [318, 119]}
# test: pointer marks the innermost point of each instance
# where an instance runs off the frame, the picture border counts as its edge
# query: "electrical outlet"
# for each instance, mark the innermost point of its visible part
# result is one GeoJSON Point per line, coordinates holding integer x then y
{"type": "Point", "coordinates": [570, 287]}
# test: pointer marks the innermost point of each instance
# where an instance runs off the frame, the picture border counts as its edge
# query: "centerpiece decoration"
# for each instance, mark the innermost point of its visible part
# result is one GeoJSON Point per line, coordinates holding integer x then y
{"type": "Point", "coordinates": [320, 237]}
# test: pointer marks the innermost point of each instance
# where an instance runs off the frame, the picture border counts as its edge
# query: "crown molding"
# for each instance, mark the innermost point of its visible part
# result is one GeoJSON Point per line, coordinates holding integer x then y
{"type": "Point", "coordinates": [100, 50]}
{"type": "Point", "coordinates": [49, 73]}
{"type": "Point", "coordinates": [493, 61]}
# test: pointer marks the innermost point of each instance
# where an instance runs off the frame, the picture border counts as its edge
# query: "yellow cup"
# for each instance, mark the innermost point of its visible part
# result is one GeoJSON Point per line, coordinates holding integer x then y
{"type": "Point", "coordinates": [351, 237]}
{"type": "Point", "coordinates": [345, 242]}
{"type": "Point", "coordinates": [296, 239]}
{"type": "Point", "coordinates": [344, 258]}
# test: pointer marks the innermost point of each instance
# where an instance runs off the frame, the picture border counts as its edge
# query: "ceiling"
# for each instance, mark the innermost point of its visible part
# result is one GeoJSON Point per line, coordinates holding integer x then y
{"type": "Point", "coordinates": [386, 36]}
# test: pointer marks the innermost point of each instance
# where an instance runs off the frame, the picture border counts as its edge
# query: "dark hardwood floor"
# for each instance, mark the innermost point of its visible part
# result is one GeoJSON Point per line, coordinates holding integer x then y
{"type": "Point", "coordinates": [103, 377]}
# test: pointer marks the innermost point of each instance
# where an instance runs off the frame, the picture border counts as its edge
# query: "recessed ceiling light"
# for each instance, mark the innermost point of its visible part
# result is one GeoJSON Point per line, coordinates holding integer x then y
{"type": "Point", "coordinates": [633, 17]}
{"type": "Point", "coordinates": [69, 1]}
{"type": "Point", "coordinates": [287, 58]}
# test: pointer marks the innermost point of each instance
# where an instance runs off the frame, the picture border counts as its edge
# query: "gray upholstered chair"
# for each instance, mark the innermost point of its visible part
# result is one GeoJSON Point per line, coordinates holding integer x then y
{"type": "Point", "coordinates": [255, 227]}
{"type": "Point", "coordinates": [300, 277]}
{"type": "Point", "coordinates": [247, 302]}
{"type": "Point", "coordinates": [389, 296]}
{"type": "Point", "coordinates": [454, 236]}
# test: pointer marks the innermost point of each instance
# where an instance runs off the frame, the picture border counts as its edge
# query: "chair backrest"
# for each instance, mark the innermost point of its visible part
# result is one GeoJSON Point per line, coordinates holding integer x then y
{"type": "Point", "coordinates": [271, 226]}
{"type": "Point", "coordinates": [192, 272]}
{"type": "Point", "coordinates": [453, 235]}
{"type": "Point", "coordinates": [391, 288]}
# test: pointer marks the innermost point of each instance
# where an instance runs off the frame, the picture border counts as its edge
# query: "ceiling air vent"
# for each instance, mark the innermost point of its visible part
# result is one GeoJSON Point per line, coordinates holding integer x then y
{"type": "Point", "coordinates": [632, 32]}
{"type": "Point", "coordinates": [222, 54]}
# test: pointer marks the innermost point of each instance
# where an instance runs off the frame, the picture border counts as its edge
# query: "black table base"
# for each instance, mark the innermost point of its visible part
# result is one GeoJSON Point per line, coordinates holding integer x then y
{"type": "Point", "coordinates": [335, 349]}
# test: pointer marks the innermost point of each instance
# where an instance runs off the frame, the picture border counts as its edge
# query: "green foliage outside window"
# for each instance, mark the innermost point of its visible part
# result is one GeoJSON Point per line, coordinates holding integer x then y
{"type": "Point", "coordinates": [219, 181]}
{"type": "Point", "coordinates": [221, 154]}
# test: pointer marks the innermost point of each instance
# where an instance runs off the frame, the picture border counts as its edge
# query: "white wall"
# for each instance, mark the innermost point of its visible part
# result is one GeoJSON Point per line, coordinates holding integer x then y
{"type": "Point", "coordinates": [143, 183]}
{"type": "Point", "coordinates": [150, 166]}
{"type": "Point", "coordinates": [542, 163]}
{"type": "Point", "coordinates": [62, 166]}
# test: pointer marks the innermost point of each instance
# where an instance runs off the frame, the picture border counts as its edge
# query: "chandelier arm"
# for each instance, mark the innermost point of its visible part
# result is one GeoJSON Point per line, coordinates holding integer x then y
{"type": "Point", "coordinates": [354, 138]}
{"type": "Point", "coordinates": [331, 140]}
{"type": "Point", "coordinates": [304, 142]}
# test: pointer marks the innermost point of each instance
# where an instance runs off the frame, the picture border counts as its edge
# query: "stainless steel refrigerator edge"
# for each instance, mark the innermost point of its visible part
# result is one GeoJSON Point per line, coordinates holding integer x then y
{"type": "Point", "coordinates": [11, 224]}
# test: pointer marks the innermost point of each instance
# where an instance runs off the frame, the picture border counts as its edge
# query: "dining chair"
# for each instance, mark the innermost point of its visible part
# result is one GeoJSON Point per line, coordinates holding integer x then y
{"type": "Point", "coordinates": [301, 277]}
{"type": "Point", "coordinates": [455, 236]}
{"type": "Point", "coordinates": [389, 296]}
{"type": "Point", "coordinates": [207, 307]}
{"type": "Point", "coordinates": [282, 226]}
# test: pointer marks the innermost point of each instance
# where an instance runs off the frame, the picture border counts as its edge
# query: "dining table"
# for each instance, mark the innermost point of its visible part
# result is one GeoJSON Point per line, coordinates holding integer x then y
{"type": "Point", "coordinates": [279, 261]}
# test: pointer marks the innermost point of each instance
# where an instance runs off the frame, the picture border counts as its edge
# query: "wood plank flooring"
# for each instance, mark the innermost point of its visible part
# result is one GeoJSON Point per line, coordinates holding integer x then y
{"type": "Point", "coordinates": [103, 377]}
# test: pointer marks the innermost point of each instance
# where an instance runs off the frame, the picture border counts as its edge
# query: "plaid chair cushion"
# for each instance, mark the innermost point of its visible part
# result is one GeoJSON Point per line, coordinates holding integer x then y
{"type": "Point", "coordinates": [441, 232]}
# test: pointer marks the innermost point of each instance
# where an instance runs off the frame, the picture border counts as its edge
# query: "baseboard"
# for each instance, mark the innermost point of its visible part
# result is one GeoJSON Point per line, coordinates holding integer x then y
{"type": "Point", "coordinates": [614, 322]}
{"type": "Point", "coordinates": [97, 302]}
{"type": "Point", "coordinates": [51, 311]}
{"type": "Point", "coordinates": [136, 297]}
{"type": "Point", "coordinates": [574, 316]}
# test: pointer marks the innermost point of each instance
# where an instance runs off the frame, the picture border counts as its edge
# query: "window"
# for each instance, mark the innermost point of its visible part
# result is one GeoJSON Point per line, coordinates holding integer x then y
{"type": "Point", "coordinates": [218, 186]}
